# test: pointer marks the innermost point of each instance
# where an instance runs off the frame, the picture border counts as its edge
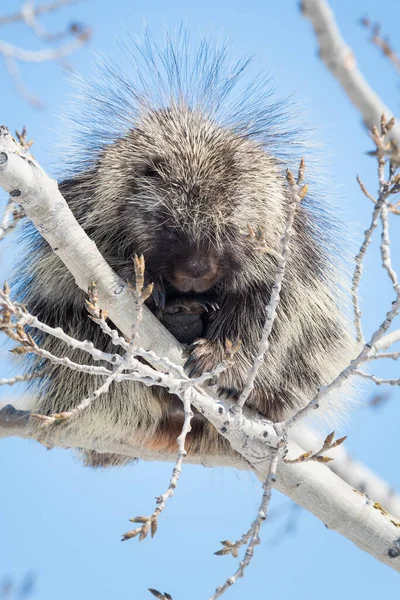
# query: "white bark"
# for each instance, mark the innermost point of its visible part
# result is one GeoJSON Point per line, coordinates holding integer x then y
{"type": "Point", "coordinates": [340, 60]}
{"type": "Point", "coordinates": [311, 485]}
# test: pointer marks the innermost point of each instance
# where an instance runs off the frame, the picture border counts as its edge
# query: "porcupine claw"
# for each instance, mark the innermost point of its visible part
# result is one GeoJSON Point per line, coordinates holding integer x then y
{"type": "Point", "coordinates": [158, 293]}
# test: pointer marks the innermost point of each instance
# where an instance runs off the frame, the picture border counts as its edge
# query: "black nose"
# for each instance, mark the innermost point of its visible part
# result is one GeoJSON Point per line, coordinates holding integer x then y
{"type": "Point", "coordinates": [197, 273]}
{"type": "Point", "coordinates": [195, 268]}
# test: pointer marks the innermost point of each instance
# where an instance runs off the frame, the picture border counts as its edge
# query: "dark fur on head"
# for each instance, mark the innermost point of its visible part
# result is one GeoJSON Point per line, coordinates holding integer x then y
{"type": "Point", "coordinates": [177, 162]}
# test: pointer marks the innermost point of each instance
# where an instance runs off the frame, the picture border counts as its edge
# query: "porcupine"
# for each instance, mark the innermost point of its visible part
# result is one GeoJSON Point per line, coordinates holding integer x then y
{"type": "Point", "coordinates": [177, 165]}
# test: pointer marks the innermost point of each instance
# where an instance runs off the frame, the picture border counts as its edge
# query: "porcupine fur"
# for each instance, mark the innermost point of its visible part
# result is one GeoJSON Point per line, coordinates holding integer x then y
{"type": "Point", "coordinates": [175, 163]}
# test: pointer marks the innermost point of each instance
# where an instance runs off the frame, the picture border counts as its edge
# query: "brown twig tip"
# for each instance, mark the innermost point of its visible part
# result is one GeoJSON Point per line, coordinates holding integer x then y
{"type": "Point", "coordinates": [229, 548]}
{"type": "Point", "coordinates": [295, 183]}
{"type": "Point", "coordinates": [22, 139]}
{"type": "Point", "coordinates": [302, 168]}
{"type": "Point", "coordinates": [383, 124]}
{"type": "Point", "coordinates": [95, 312]}
{"type": "Point", "coordinates": [258, 237]}
{"type": "Point", "coordinates": [318, 456]}
{"type": "Point", "coordinates": [149, 525]}
{"type": "Point", "coordinates": [139, 271]}
{"type": "Point", "coordinates": [390, 124]}
{"type": "Point", "coordinates": [159, 595]}
{"type": "Point", "coordinates": [381, 42]}
{"type": "Point", "coordinates": [386, 126]}
{"type": "Point", "coordinates": [143, 292]}
{"type": "Point", "coordinates": [303, 191]}
{"type": "Point", "coordinates": [375, 134]}
{"type": "Point", "coordinates": [289, 177]}
{"type": "Point", "coordinates": [93, 292]}
{"type": "Point", "coordinates": [364, 190]}
{"type": "Point", "coordinates": [53, 419]}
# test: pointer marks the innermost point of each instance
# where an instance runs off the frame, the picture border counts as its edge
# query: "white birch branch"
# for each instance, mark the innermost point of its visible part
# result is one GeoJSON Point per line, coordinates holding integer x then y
{"type": "Point", "coordinates": [341, 62]}
{"type": "Point", "coordinates": [311, 485]}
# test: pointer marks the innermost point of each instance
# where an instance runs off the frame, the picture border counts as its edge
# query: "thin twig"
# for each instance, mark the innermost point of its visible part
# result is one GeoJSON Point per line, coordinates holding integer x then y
{"type": "Point", "coordinates": [38, 10]}
{"type": "Point", "coordinates": [150, 524]}
{"type": "Point", "coordinates": [253, 535]}
{"type": "Point", "coordinates": [349, 370]}
{"type": "Point", "coordinates": [382, 43]}
{"type": "Point", "coordinates": [12, 214]}
{"type": "Point", "coordinates": [318, 456]}
{"type": "Point", "coordinates": [20, 378]}
{"type": "Point", "coordinates": [36, 56]}
{"type": "Point", "coordinates": [295, 197]}
{"type": "Point", "coordinates": [384, 192]}
{"type": "Point", "coordinates": [377, 380]}
{"type": "Point", "coordinates": [385, 249]}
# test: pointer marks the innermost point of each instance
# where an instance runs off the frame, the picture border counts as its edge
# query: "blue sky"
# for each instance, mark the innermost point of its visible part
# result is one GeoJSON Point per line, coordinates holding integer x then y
{"type": "Point", "coordinates": [64, 522]}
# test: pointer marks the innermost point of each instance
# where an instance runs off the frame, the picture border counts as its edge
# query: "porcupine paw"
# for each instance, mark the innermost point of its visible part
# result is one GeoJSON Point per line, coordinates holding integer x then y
{"type": "Point", "coordinates": [205, 355]}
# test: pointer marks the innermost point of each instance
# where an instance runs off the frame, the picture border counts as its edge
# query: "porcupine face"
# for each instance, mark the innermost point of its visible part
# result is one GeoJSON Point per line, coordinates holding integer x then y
{"type": "Point", "coordinates": [185, 190]}
{"type": "Point", "coordinates": [181, 202]}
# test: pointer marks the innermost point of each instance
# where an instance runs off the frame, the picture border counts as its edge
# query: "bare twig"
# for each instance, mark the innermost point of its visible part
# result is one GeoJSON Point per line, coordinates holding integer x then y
{"type": "Point", "coordinates": [386, 188]}
{"type": "Point", "coordinates": [377, 380]}
{"type": "Point", "coordinates": [391, 355]}
{"type": "Point", "coordinates": [38, 11]}
{"type": "Point", "coordinates": [385, 249]}
{"type": "Point", "coordinates": [381, 42]}
{"type": "Point", "coordinates": [296, 195]}
{"type": "Point", "coordinates": [384, 193]}
{"type": "Point", "coordinates": [11, 53]}
{"type": "Point", "coordinates": [350, 370]}
{"type": "Point", "coordinates": [36, 56]}
{"type": "Point", "coordinates": [252, 537]}
{"type": "Point", "coordinates": [318, 456]}
{"type": "Point", "coordinates": [19, 378]}
{"type": "Point", "coordinates": [386, 342]}
{"type": "Point", "coordinates": [12, 214]}
{"type": "Point", "coordinates": [150, 524]}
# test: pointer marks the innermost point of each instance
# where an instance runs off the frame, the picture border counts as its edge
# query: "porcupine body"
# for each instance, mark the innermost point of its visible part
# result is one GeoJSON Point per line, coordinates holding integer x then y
{"type": "Point", "coordinates": [176, 167]}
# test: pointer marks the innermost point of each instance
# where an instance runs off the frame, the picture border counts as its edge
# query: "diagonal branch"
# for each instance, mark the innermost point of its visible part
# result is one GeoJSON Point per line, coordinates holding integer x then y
{"type": "Point", "coordinates": [341, 62]}
{"type": "Point", "coordinates": [311, 485]}
{"type": "Point", "coordinates": [38, 10]}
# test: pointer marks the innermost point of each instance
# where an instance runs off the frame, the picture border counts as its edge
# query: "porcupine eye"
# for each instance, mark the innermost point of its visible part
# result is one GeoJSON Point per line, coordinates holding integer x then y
{"type": "Point", "coordinates": [170, 231]}
{"type": "Point", "coordinates": [151, 170]}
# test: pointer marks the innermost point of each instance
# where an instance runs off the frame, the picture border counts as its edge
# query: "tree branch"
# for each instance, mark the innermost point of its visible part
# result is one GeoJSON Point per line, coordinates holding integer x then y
{"type": "Point", "coordinates": [38, 10]}
{"type": "Point", "coordinates": [341, 62]}
{"type": "Point", "coordinates": [311, 485]}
